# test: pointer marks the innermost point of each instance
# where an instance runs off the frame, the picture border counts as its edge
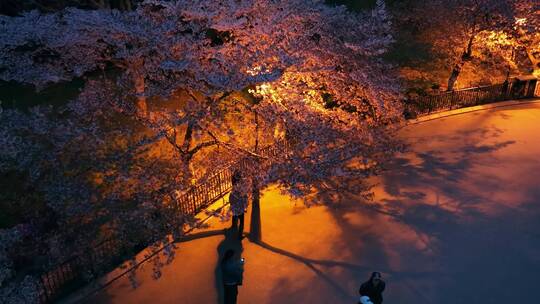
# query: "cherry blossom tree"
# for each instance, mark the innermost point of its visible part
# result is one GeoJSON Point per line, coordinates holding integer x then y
{"type": "Point", "coordinates": [15, 7]}
{"type": "Point", "coordinates": [214, 72]}
{"type": "Point", "coordinates": [478, 42]}
{"type": "Point", "coordinates": [465, 25]}
{"type": "Point", "coordinates": [178, 89]}
{"type": "Point", "coordinates": [526, 31]}
{"type": "Point", "coordinates": [512, 47]}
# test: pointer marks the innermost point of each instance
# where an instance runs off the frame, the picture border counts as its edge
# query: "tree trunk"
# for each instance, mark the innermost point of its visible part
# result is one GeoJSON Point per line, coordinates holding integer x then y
{"type": "Point", "coordinates": [255, 234]}
{"type": "Point", "coordinates": [123, 5]}
{"type": "Point", "coordinates": [188, 137]}
{"type": "Point", "coordinates": [103, 4]}
{"type": "Point", "coordinates": [139, 83]}
{"type": "Point", "coordinates": [465, 56]}
{"type": "Point", "coordinates": [186, 167]}
{"type": "Point", "coordinates": [255, 223]}
{"type": "Point", "coordinates": [454, 76]}
{"type": "Point", "coordinates": [127, 5]}
{"type": "Point", "coordinates": [185, 155]}
{"type": "Point", "coordinates": [535, 62]}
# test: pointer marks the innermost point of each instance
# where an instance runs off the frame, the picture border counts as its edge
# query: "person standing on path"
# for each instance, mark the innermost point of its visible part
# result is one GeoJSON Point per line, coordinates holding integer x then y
{"type": "Point", "coordinates": [239, 201]}
{"type": "Point", "coordinates": [232, 274]}
{"type": "Point", "coordinates": [373, 288]}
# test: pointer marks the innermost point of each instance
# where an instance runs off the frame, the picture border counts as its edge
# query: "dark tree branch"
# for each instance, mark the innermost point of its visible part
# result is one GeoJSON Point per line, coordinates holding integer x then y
{"type": "Point", "coordinates": [202, 145]}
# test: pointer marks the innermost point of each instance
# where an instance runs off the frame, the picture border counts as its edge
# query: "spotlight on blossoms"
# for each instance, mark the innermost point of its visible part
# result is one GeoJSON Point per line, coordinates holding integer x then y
{"type": "Point", "coordinates": [175, 91]}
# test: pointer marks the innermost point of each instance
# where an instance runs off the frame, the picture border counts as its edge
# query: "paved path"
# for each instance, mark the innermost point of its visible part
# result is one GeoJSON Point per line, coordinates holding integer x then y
{"type": "Point", "coordinates": [454, 220]}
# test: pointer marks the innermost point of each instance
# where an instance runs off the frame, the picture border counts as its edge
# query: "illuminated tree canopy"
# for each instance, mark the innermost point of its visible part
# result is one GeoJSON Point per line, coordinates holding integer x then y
{"type": "Point", "coordinates": [177, 90]}
{"type": "Point", "coordinates": [468, 43]}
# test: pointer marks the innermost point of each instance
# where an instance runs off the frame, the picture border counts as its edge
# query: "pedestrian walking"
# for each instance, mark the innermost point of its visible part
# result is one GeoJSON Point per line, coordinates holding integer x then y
{"type": "Point", "coordinates": [373, 289]}
{"type": "Point", "coordinates": [232, 274]}
{"type": "Point", "coordinates": [238, 201]}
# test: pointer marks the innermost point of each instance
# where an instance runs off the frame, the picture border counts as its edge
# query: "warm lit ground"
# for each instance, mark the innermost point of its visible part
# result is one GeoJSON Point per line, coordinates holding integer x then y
{"type": "Point", "coordinates": [456, 220]}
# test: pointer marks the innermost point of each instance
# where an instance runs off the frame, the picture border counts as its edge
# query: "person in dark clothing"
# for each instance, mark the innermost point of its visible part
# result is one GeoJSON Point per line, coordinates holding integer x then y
{"type": "Point", "coordinates": [232, 273]}
{"type": "Point", "coordinates": [238, 201]}
{"type": "Point", "coordinates": [373, 288]}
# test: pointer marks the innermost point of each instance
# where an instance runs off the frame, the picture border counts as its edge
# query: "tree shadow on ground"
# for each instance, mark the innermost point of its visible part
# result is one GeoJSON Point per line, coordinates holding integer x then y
{"type": "Point", "coordinates": [201, 235]}
{"type": "Point", "coordinates": [312, 264]}
{"type": "Point", "coordinates": [471, 242]}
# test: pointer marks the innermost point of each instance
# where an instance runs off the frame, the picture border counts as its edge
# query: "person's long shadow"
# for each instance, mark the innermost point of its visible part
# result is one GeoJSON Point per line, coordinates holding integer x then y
{"type": "Point", "coordinates": [230, 241]}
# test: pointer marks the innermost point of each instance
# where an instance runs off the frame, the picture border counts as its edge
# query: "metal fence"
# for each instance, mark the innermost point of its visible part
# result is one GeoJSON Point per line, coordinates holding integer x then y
{"type": "Point", "coordinates": [199, 197]}
{"type": "Point", "coordinates": [470, 97]}
{"type": "Point", "coordinates": [68, 275]}
{"type": "Point", "coordinates": [64, 277]}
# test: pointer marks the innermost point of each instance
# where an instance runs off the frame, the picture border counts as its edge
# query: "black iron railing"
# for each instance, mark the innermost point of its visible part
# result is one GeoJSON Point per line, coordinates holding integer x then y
{"type": "Point", "coordinates": [69, 274]}
{"type": "Point", "coordinates": [469, 97]}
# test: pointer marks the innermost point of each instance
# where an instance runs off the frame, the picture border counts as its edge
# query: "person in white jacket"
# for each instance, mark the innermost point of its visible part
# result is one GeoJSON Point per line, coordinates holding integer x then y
{"type": "Point", "coordinates": [239, 202]}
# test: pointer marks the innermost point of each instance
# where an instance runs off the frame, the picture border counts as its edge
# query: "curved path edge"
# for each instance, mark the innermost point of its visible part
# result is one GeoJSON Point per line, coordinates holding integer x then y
{"type": "Point", "coordinates": [448, 113]}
